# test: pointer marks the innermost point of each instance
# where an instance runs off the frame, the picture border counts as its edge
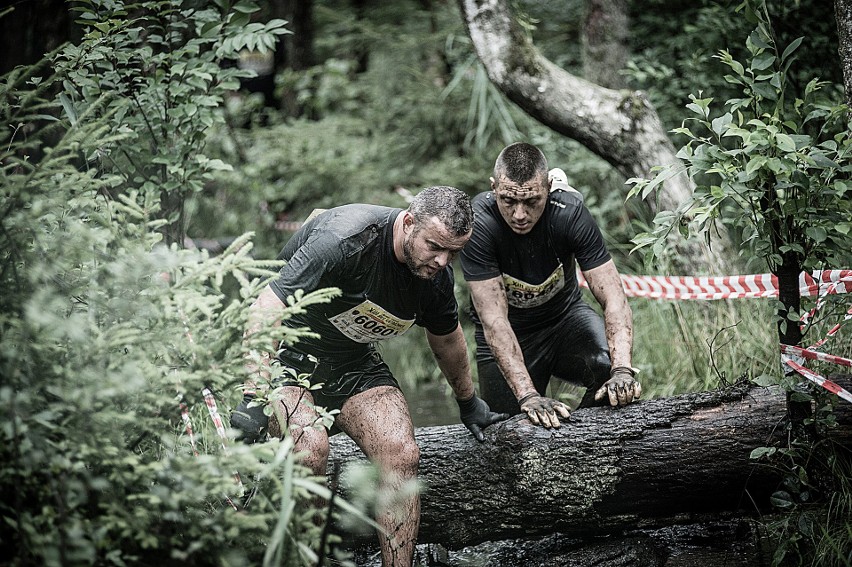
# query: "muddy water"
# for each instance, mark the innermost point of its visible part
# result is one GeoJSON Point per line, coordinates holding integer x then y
{"type": "Point", "coordinates": [431, 404]}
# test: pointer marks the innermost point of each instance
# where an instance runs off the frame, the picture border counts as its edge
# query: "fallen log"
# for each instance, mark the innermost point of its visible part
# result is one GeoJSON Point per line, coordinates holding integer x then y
{"type": "Point", "coordinates": [653, 463]}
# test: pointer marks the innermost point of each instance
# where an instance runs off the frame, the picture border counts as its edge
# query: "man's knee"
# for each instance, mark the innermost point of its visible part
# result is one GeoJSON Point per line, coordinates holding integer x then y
{"type": "Point", "coordinates": [401, 455]}
{"type": "Point", "coordinates": [313, 443]}
{"type": "Point", "coordinates": [597, 373]}
{"type": "Point", "coordinates": [598, 367]}
{"type": "Point", "coordinates": [495, 390]}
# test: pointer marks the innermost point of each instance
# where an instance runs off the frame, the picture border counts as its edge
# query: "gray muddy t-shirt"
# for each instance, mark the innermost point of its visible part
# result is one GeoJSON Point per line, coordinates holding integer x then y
{"type": "Point", "coordinates": [351, 248]}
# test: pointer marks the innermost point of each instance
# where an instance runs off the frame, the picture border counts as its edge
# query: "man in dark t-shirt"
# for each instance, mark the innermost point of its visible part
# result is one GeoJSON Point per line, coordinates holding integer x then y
{"type": "Point", "coordinates": [531, 322]}
{"type": "Point", "coordinates": [393, 269]}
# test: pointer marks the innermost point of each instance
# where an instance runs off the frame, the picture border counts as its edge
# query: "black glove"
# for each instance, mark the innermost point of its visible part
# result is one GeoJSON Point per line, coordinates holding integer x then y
{"type": "Point", "coordinates": [543, 411]}
{"type": "Point", "coordinates": [250, 421]}
{"type": "Point", "coordinates": [476, 415]}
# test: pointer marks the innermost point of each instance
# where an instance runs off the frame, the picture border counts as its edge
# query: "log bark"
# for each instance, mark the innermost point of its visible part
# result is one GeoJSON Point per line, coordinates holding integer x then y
{"type": "Point", "coordinates": [651, 464]}
{"type": "Point", "coordinates": [620, 126]}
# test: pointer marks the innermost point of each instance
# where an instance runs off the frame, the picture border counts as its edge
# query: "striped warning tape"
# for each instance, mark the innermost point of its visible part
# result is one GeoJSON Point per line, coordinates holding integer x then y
{"type": "Point", "coordinates": [187, 423]}
{"type": "Point", "coordinates": [816, 378]}
{"type": "Point", "coordinates": [815, 355]}
{"type": "Point", "coordinates": [812, 284]}
{"type": "Point", "coordinates": [819, 283]}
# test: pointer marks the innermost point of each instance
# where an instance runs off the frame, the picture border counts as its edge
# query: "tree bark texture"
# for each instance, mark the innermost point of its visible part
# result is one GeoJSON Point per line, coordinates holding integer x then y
{"type": "Point", "coordinates": [843, 17]}
{"type": "Point", "coordinates": [709, 542]}
{"type": "Point", "coordinates": [605, 39]}
{"type": "Point", "coordinates": [295, 51]}
{"type": "Point", "coordinates": [620, 126]}
{"type": "Point", "coordinates": [605, 471]}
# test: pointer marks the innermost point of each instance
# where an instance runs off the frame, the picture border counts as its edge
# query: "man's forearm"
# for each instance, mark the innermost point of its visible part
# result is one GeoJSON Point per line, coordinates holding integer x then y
{"type": "Point", "coordinates": [510, 359]}
{"type": "Point", "coordinates": [619, 335]}
{"type": "Point", "coordinates": [451, 355]}
{"type": "Point", "coordinates": [263, 312]}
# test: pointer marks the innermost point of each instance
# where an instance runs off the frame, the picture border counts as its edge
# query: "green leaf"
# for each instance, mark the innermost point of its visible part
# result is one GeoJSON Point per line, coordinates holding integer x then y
{"type": "Point", "coordinates": [822, 161]}
{"type": "Point", "coordinates": [245, 7]}
{"type": "Point", "coordinates": [782, 499]}
{"type": "Point", "coordinates": [816, 233]}
{"type": "Point", "coordinates": [791, 48]}
{"type": "Point", "coordinates": [785, 143]}
{"type": "Point", "coordinates": [68, 106]}
{"type": "Point", "coordinates": [801, 140]}
{"type": "Point", "coordinates": [720, 124]}
{"type": "Point", "coordinates": [754, 164]}
{"type": "Point", "coordinates": [765, 90]}
{"type": "Point", "coordinates": [762, 61]}
{"type": "Point", "coordinates": [762, 452]}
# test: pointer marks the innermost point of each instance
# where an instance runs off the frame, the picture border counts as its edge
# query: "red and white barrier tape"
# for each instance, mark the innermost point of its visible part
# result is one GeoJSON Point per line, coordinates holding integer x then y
{"type": "Point", "coordinates": [213, 410]}
{"type": "Point", "coordinates": [815, 355]}
{"type": "Point", "coordinates": [819, 283]}
{"type": "Point", "coordinates": [187, 423]}
{"type": "Point", "coordinates": [814, 284]}
{"type": "Point", "coordinates": [816, 378]}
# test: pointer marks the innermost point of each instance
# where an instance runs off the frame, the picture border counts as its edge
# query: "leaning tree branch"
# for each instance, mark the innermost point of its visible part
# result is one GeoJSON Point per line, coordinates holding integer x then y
{"type": "Point", "coordinates": [620, 126]}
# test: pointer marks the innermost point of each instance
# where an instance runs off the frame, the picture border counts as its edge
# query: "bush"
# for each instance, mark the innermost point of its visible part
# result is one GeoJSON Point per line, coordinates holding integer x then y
{"type": "Point", "coordinates": [105, 334]}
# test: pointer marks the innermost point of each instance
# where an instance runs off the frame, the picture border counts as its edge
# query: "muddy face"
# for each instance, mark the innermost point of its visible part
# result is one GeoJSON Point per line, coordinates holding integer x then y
{"type": "Point", "coordinates": [429, 247]}
{"type": "Point", "coordinates": [521, 204]}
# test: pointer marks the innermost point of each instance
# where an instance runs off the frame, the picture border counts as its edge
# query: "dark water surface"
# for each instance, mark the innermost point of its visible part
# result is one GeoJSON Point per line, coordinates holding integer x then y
{"type": "Point", "coordinates": [431, 404]}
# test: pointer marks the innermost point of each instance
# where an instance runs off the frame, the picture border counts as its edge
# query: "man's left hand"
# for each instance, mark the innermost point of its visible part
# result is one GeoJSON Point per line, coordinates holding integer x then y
{"type": "Point", "coordinates": [622, 388]}
{"type": "Point", "coordinates": [476, 415]}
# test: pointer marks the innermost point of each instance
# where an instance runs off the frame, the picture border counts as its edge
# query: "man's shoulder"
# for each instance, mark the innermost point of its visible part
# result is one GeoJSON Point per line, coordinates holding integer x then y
{"type": "Point", "coordinates": [565, 200]}
{"type": "Point", "coordinates": [483, 200]}
{"type": "Point", "coordinates": [348, 221]}
{"type": "Point", "coordinates": [565, 209]}
{"type": "Point", "coordinates": [358, 214]}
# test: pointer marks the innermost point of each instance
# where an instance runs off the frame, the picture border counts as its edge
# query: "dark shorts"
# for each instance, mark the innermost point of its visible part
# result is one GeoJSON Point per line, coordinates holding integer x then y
{"type": "Point", "coordinates": [340, 379]}
{"type": "Point", "coordinates": [574, 350]}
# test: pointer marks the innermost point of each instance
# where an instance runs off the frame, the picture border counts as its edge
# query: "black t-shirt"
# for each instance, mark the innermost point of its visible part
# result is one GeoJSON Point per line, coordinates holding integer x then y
{"type": "Point", "coordinates": [537, 268]}
{"type": "Point", "coordinates": [351, 248]}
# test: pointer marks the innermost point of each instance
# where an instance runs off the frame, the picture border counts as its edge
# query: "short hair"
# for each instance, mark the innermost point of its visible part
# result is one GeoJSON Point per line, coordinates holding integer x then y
{"type": "Point", "coordinates": [450, 205]}
{"type": "Point", "coordinates": [520, 162]}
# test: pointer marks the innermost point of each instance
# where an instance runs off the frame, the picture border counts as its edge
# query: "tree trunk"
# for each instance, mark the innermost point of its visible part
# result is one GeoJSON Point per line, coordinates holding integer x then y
{"type": "Point", "coordinates": [619, 126]}
{"type": "Point", "coordinates": [295, 51]}
{"type": "Point", "coordinates": [605, 38]}
{"type": "Point", "coordinates": [603, 472]}
{"type": "Point", "coordinates": [843, 16]}
{"type": "Point", "coordinates": [30, 30]}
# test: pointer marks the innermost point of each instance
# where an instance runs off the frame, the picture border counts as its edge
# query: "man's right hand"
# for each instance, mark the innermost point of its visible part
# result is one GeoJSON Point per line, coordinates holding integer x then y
{"type": "Point", "coordinates": [476, 415]}
{"type": "Point", "coordinates": [251, 422]}
{"type": "Point", "coordinates": [544, 411]}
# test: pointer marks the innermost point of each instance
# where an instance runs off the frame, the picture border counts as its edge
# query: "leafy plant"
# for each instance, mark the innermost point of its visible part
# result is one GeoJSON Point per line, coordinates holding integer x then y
{"type": "Point", "coordinates": [105, 333]}
{"type": "Point", "coordinates": [774, 166]}
{"type": "Point", "coordinates": [162, 66]}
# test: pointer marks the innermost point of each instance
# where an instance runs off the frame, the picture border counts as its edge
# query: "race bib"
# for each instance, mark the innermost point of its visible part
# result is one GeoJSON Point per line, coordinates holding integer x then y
{"type": "Point", "coordinates": [368, 322]}
{"type": "Point", "coordinates": [524, 295]}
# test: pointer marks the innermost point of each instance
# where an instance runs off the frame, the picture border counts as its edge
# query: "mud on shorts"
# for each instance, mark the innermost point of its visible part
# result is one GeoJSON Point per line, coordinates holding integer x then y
{"type": "Point", "coordinates": [575, 350]}
{"type": "Point", "coordinates": [340, 379]}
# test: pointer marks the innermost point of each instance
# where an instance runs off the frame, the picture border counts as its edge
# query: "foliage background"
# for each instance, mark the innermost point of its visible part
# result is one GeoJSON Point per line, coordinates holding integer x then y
{"type": "Point", "coordinates": [109, 148]}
